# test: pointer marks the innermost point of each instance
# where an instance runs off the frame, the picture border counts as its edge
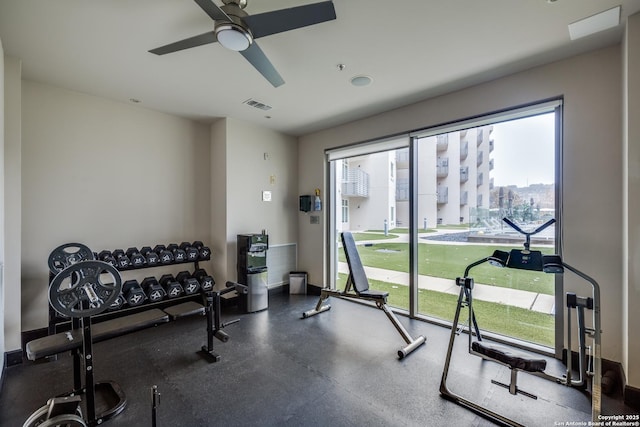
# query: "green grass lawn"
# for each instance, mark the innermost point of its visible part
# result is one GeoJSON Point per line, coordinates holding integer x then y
{"type": "Point", "coordinates": [406, 230]}
{"type": "Point", "coordinates": [499, 318]}
{"type": "Point", "coordinates": [359, 237]}
{"type": "Point", "coordinates": [450, 261]}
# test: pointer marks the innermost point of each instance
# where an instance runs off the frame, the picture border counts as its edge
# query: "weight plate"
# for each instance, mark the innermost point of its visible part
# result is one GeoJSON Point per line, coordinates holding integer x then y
{"type": "Point", "coordinates": [85, 289]}
{"type": "Point", "coordinates": [68, 254]}
{"type": "Point", "coordinates": [67, 420]}
{"type": "Point", "coordinates": [37, 417]}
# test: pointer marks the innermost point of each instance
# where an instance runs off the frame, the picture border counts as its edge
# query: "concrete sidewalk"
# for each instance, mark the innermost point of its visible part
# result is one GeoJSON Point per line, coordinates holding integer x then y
{"type": "Point", "coordinates": [528, 300]}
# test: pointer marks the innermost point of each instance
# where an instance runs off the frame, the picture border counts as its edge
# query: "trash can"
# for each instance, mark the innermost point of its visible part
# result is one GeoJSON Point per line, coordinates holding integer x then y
{"type": "Point", "coordinates": [258, 292]}
{"type": "Point", "coordinates": [297, 282]}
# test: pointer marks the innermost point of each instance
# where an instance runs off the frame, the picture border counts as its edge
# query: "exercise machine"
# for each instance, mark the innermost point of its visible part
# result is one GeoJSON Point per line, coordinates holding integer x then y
{"type": "Point", "coordinates": [214, 325]}
{"type": "Point", "coordinates": [357, 287]}
{"type": "Point", "coordinates": [79, 291]}
{"type": "Point", "coordinates": [589, 365]}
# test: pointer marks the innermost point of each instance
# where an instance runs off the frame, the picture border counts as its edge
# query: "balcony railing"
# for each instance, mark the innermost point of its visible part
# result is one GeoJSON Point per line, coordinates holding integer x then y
{"type": "Point", "coordinates": [356, 183]}
{"type": "Point", "coordinates": [464, 198]}
{"type": "Point", "coordinates": [442, 142]}
{"type": "Point", "coordinates": [442, 167]}
{"type": "Point", "coordinates": [443, 195]}
{"type": "Point", "coordinates": [402, 189]}
{"type": "Point", "coordinates": [464, 173]}
{"type": "Point", "coordinates": [464, 150]}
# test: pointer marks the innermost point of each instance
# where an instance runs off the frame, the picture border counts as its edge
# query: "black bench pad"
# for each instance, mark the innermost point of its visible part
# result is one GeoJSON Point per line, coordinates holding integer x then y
{"type": "Point", "coordinates": [67, 341]}
{"type": "Point", "coordinates": [374, 294]}
{"type": "Point", "coordinates": [188, 308]}
{"type": "Point", "coordinates": [509, 357]}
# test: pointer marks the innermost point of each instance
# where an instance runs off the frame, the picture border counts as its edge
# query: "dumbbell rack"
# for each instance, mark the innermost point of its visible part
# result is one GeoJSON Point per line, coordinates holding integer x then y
{"type": "Point", "coordinates": [58, 323]}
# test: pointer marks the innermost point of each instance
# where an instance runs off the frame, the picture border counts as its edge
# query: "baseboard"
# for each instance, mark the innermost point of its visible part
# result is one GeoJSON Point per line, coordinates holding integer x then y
{"type": "Point", "coordinates": [12, 358]}
{"type": "Point", "coordinates": [632, 397]}
{"type": "Point", "coordinates": [313, 289]}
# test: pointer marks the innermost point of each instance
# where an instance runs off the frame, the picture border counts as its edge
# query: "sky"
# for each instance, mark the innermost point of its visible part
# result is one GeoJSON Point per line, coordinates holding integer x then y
{"type": "Point", "coordinates": [524, 151]}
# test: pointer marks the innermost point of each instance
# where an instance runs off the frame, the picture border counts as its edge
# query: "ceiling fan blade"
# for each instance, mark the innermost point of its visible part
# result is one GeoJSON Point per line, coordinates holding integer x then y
{"type": "Point", "coordinates": [278, 21]}
{"type": "Point", "coordinates": [205, 38]}
{"type": "Point", "coordinates": [212, 10]}
{"type": "Point", "coordinates": [259, 60]}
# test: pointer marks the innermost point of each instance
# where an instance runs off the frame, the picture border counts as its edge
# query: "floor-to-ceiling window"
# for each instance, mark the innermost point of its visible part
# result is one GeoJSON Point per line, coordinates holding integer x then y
{"type": "Point", "coordinates": [364, 188]}
{"type": "Point", "coordinates": [439, 198]}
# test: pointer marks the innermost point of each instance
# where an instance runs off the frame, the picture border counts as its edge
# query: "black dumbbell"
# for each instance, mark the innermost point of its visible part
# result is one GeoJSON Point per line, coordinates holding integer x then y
{"type": "Point", "coordinates": [137, 259]}
{"type": "Point", "coordinates": [189, 284]}
{"type": "Point", "coordinates": [150, 256]}
{"type": "Point", "coordinates": [205, 252]}
{"type": "Point", "coordinates": [133, 293]}
{"type": "Point", "coordinates": [107, 257]}
{"type": "Point", "coordinates": [117, 303]}
{"type": "Point", "coordinates": [179, 255]}
{"type": "Point", "coordinates": [122, 260]}
{"type": "Point", "coordinates": [152, 289]}
{"type": "Point", "coordinates": [206, 281]}
{"type": "Point", "coordinates": [166, 257]}
{"type": "Point", "coordinates": [193, 254]}
{"type": "Point", "coordinates": [171, 286]}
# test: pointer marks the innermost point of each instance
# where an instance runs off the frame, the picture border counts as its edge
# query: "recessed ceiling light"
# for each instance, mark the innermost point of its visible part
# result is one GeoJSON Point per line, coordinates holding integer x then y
{"type": "Point", "coordinates": [361, 80]}
{"type": "Point", "coordinates": [594, 24]}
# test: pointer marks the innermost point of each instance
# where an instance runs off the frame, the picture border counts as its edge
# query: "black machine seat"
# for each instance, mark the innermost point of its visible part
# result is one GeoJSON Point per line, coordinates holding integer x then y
{"type": "Point", "coordinates": [509, 357]}
{"type": "Point", "coordinates": [358, 276]}
{"type": "Point", "coordinates": [67, 341]}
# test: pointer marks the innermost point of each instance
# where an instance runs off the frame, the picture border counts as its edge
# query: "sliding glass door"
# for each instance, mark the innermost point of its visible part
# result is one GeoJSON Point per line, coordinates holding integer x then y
{"type": "Point", "coordinates": [367, 201]}
{"type": "Point", "coordinates": [428, 205]}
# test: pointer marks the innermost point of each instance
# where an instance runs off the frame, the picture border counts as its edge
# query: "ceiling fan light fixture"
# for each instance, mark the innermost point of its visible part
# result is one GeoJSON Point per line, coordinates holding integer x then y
{"type": "Point", "coordinates": [233, 36]}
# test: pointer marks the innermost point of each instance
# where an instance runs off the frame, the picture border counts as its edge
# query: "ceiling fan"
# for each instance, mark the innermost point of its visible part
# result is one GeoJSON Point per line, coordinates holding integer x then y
{"type": "Point", "coordinates": [237, 30]}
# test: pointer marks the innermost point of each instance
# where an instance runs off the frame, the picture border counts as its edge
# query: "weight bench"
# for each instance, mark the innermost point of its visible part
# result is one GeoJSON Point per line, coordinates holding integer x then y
{"type": "Point", "coordinates": [72, 340]}
{"type": "Point", "coordinates": [358, 281]}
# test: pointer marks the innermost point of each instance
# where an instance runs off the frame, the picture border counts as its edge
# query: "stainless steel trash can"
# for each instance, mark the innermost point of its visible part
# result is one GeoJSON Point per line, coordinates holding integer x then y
{"type": "Point", "coordinates": [297, 282]}
{"type": "Point", "coordinates": [258, 292]}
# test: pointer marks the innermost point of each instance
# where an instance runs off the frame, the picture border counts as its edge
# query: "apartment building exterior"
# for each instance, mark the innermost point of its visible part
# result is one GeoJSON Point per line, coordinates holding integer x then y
{"type": "Point", "coordinates": [453, 182]}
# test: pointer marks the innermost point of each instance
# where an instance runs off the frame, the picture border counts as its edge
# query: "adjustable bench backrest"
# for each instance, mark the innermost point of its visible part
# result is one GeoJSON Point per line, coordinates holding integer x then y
{"type": "Point", "coordinates": [358, 276]}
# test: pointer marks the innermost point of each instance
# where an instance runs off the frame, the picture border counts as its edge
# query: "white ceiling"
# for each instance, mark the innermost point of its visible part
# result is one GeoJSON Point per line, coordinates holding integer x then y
{"type": "Point", "coordinates": [413, 49]}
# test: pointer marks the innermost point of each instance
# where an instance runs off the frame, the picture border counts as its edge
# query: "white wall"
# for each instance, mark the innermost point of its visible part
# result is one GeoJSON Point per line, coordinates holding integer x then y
{"type": "Point", "coordinates": [259, 160]}
{"type": "Point", "coordinates": [2, 203]}
{"type": "Point", "coordinates": [106, 174]}
{"type": "Point", "coordinates": [631, 295]}
{"type": "Point", "coordinates": [12, 202]}
{"type": "Point", "coordinates": [592, 143]}
{"type": "Point", "coordinates": [219, 196]}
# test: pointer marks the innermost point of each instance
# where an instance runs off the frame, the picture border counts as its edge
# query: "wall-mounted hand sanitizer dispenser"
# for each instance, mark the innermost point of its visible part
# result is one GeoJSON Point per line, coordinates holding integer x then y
{"type": "Point", "coordinates": [305, 203]}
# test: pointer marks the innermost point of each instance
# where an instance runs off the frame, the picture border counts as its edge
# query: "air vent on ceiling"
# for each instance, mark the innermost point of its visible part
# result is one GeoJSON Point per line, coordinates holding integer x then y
{"type": "Point", "coordinates": [257, 104]}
